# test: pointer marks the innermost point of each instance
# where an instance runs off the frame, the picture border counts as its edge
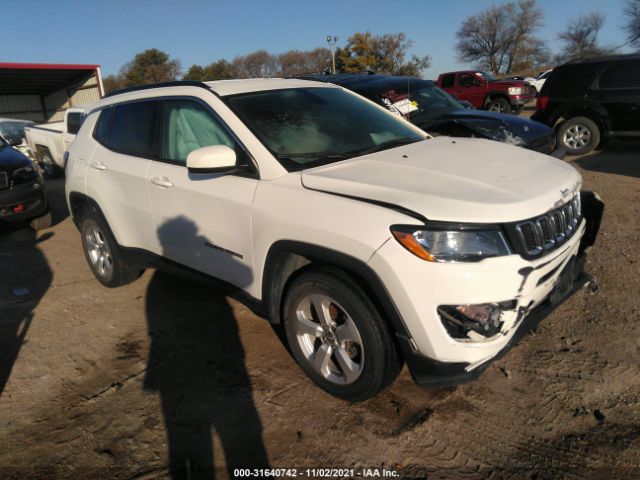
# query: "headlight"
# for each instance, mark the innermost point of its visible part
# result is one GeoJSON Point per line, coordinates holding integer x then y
{"type": "Point", "coordinates": [516, 90]}
{"type": "Point", "coordinates": [452, 243]}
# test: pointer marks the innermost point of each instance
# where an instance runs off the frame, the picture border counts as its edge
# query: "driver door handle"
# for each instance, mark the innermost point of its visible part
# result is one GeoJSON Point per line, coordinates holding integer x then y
{"type": "Point", "coordinates": [98, 165]}
{"type": "Point", "coordinates": [163, 182]}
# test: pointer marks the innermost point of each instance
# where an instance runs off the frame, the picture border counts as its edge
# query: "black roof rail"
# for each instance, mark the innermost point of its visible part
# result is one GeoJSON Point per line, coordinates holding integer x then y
{"type": "Point", "coordinates": [176, 83]}
{"type": "Point", "coordinates": [605, 58]}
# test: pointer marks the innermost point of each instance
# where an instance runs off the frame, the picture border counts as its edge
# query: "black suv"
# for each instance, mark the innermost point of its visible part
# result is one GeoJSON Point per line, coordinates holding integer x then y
{"type": "Point", "coordinates": [591, 102]}
{"type": "Point", "coordinates": [432, 109]}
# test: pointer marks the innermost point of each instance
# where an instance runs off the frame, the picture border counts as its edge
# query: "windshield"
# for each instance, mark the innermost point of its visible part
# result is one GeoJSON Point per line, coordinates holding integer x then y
{"type": "Point", "coordinates": [308, 127]}
{"type": "Point", "coordinates": [420, 103]}
{"type": "Point", "coordinates": [488, 76]}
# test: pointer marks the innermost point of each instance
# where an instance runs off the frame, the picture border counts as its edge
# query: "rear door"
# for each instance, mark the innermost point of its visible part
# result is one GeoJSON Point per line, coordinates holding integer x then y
{"type": "Point", "coordinates": [201, 220]}
{"type": "Point", "coordinates": [126, 136]}
{"type": "Point", "coordinates": [618, 91]}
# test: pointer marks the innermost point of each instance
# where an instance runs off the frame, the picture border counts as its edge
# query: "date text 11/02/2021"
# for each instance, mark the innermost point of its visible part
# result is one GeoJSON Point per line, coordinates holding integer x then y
{"type": "Point", "coordinates": [315, 473]}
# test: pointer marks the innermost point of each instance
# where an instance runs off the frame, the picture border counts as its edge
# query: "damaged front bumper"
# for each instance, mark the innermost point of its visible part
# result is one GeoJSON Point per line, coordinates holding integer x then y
{"type": "Point", "coordinates": [547, 284]}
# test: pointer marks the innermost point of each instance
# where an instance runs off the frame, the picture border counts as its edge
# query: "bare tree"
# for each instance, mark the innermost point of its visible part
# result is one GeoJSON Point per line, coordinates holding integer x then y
{"type": "Point", "coordinates": [295, 62]}
{"type": "Point", "coordinates": [258, 64]}
{"type": "Point", "coordinates": [581, 37]}
{"type": "Point", "coordinates": [502, 39]}
{"type": "Point", "coordinates": [632, 26]}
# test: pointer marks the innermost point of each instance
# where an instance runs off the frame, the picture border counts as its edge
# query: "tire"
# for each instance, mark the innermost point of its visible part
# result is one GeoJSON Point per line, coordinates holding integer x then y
{"type": "Point", "coordinates": [103, 253]}
{"type": "Point", "coordinates": [498, 105]}
{"type": "Point", "coordinates": [42, 222]}
{"type": "Point", "coordinates": [51, 170]}
{"type": "Point", "coordinates": [348, 351]}
{"type": "Point", "coordinates": [578, 135]}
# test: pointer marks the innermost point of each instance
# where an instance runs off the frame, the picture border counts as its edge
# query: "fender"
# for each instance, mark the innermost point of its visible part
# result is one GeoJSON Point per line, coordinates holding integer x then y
{"type": "Point", "coordinates": [275, 279]}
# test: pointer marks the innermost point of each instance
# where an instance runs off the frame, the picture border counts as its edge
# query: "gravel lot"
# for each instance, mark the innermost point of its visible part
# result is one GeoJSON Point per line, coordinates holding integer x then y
{"type": "Point", "coordinates": [94, 382]}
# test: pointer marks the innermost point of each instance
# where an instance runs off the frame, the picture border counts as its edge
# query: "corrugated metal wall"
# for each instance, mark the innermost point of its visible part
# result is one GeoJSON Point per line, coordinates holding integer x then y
{"type": "Point", "coordinates": [24, 107]}
{"type": "Point", "coordinates": [29, 107]}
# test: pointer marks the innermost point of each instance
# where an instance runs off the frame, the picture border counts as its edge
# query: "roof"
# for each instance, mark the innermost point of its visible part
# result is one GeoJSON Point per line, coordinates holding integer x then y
{"type": "Point", "coordinates": [609, 58]}
{"type": "Point", "coordinates": [41, 78]}
{"type": "Point", "coordinates": [232, 87]}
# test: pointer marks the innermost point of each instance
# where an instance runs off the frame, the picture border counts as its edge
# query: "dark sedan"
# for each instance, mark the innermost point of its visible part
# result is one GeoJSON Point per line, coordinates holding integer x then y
{"type": "Point", "coordinates": [435, 111]}
{"type": "Point", "coordinates": [22, 194]}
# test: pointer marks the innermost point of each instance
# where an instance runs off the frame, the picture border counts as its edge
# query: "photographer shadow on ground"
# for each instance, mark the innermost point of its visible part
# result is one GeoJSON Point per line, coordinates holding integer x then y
{"type": "Point", "coordinates": [25, 277]}
{"type": "Point", "coordinates": [196, 364]}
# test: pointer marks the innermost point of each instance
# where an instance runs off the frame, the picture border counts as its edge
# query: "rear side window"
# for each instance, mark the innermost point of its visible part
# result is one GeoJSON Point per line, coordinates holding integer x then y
{"type": "Point", "coordinates": [133, 129]}
{"type": "Point", "coordinates": [101, 132]}
{"type": "Point", "coordinates": [447, 81]}
{"type": "Point", "coordinates": [570, 80]}
{"type": "Point", "coordinates": [620, 75]}
{"type": "Point", "coordinates": [74, 122]}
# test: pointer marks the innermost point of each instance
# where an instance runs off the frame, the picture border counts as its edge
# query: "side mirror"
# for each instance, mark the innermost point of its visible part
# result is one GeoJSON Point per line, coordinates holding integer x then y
{"type": "Point", "coordinates": [212, 159]}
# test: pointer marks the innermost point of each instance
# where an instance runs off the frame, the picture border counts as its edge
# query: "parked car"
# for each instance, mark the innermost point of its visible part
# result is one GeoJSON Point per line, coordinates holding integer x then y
{"type": "Point", "coordinates": [49, 141]}
{"type": "Point", "coordinates": [12, 131]}
{"type": "Point", "coordinates": [538, 82]}
{"type": "Point", "coordinates": [438, 113]}
{"type": "Point", "coordinates": [591, 102]}
{"type": "Point", "coordinates": [22, 194]}
{"type": "Point", "coordinates": [484, 91]}
{"type": "Point", "coordinates": [369, 241]}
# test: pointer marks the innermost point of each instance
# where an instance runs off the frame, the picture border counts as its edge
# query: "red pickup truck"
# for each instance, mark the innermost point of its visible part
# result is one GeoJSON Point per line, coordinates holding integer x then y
{"type": "Point", "coordinates": [484, 91]}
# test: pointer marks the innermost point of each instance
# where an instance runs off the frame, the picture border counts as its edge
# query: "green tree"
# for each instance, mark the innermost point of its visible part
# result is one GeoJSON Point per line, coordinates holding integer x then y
{"type": "Point", "coordinates": [150, 66]}
{"type": "Point", "coordinates": [195, 72]}
{"type": "Point", "coordinates": [383, 53]}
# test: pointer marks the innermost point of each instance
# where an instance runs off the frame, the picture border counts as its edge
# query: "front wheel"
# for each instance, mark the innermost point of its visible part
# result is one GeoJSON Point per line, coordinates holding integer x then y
{"type": "Point", "coordinates": [103, 253]}
{"type": "Point", "coordinates": [499, 105]}
{"type": "Point", "coordinates": [337, 335]}
{"type": "Point", "coordinates": [578, 135]}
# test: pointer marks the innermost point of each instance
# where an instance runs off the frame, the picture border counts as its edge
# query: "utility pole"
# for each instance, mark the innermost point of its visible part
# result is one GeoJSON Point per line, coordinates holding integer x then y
{"type": "Point", "coordinates": [332, 40]}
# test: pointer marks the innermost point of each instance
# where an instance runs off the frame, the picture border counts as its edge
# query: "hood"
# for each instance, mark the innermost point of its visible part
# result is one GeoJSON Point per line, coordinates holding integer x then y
{"type": "Point", "coordinates": [509, 83]}
{"type": "Point", "coordinates": [453, 179]}
{"type": "Point", "coordinates": [10, 159]}
{"type": "Point", "coordinates": [509, 129]}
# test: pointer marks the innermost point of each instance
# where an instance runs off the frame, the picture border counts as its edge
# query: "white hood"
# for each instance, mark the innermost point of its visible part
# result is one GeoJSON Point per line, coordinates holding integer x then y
{"type": "Point", "coordinates": [454, 179]}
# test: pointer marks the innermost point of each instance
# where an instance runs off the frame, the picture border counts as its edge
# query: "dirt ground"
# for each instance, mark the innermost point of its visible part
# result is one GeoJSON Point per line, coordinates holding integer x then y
{"type": "Point", "coordinates": [95, 382]}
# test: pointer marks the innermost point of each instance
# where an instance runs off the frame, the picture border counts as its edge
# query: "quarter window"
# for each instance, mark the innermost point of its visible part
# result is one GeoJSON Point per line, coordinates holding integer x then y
{"type": "Point", "coordinates": [621, 76]}
{"type": "Point", "coordinates": [102, 126]}
{"type": "Point", "coordinates": [133, 129]}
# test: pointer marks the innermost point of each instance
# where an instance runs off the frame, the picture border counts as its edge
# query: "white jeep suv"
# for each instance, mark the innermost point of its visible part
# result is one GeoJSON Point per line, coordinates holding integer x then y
{"type": "Point", "coordinates": [372, 243]}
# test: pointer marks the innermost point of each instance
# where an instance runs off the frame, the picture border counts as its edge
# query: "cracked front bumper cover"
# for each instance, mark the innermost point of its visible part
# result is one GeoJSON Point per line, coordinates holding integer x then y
{"type": "Point", "coordinates": [429, 372]}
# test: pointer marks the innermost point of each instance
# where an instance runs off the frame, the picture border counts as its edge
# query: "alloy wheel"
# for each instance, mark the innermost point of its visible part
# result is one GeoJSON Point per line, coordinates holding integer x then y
{"type": "Point", "coordinates": [329, 339]}
{"type": "Point", "coordinates": [98, 251]}
{"type": "Point", "coordinates": [577, 136]}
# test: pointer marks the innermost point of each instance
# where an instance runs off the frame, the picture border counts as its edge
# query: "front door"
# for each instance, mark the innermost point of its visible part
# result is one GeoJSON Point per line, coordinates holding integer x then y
{"type": "Point", "coordinates": [202, 221]}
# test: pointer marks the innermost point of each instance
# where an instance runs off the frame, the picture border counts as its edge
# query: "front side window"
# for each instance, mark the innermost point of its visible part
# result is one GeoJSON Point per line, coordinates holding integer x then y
{"type": "Point", "coordinates": [188, 126]}
{"type": "Point", "coordinates": [133, 129]}
{"type": "Point", "coordinates": [307, 127]}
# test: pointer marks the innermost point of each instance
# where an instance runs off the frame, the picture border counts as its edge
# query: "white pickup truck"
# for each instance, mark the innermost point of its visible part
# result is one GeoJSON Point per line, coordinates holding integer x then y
{"type": "Point", "coordinates": [48, 141]}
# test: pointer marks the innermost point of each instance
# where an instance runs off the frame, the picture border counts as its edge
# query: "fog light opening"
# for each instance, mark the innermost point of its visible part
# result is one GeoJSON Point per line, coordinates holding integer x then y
{"type": "Point", "coordinates": [484, 319]}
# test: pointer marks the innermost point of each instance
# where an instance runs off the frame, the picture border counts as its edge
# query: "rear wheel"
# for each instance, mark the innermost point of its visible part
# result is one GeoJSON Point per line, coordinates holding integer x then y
{"type": "Point", "coordinates": [49, 167]}
{"type": "Point", "coordinates": [103, 253]}
{"type": "Point", "coordinates": [579, 135]}
{"type": "Point", "coordinates": [337, 336]}
{"type": "Point", "coordinates": [499, 105]}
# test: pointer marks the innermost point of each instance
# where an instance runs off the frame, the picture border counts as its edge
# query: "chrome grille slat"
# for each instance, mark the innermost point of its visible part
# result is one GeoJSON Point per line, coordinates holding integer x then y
{"type": "Point", "coordinates": [550, 230]}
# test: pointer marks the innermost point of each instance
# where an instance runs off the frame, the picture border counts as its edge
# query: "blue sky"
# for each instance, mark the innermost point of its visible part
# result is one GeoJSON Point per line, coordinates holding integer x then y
{"type": "Point", "coordinates": [111, 32]}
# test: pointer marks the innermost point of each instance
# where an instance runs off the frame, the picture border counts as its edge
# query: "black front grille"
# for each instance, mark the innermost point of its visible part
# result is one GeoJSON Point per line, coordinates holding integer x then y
{"type": "Point", "coordinates": [540, 235]}
{"type": "Point", "coordinates": [4, 180]}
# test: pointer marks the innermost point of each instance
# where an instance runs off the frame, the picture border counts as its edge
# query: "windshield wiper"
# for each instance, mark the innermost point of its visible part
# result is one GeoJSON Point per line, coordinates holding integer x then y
{"type": "Point", "coordinates": [313, 155]}
{"type": "Point", "coordinates": [396, 142]}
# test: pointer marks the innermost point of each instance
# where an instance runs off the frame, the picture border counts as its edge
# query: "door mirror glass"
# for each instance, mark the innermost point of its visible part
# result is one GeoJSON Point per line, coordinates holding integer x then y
{"type": "Point", "coordinates": [211, 159]}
